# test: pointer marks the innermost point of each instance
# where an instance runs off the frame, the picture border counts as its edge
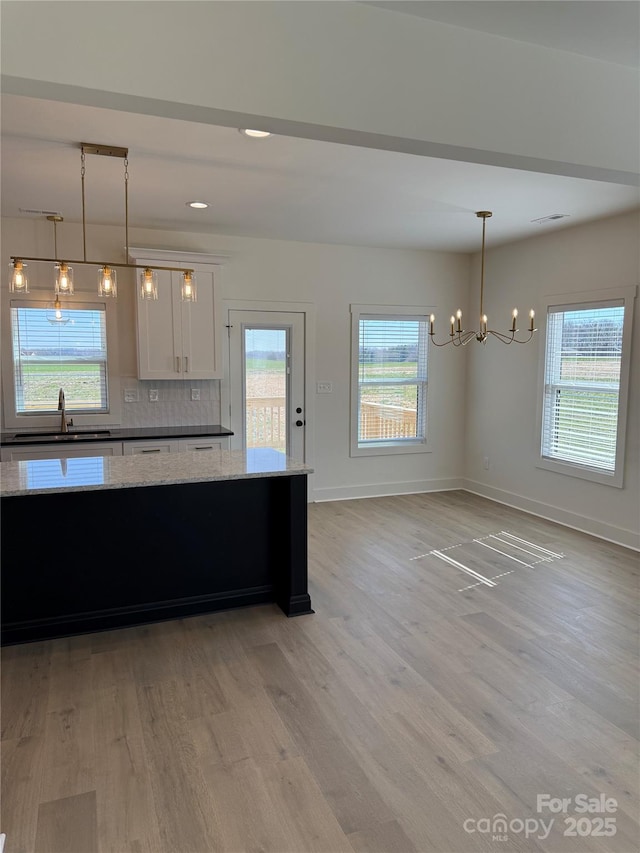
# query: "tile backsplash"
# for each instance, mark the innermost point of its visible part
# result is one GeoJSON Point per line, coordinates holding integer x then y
{"type": "Point", "coordinates": [174, 406]}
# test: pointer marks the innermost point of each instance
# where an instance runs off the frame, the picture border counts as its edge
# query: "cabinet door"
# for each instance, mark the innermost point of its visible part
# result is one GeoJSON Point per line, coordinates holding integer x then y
{"type": "Point", "coordinates": [159, 332]}
{"type": "Point", "coordinates": [201, 338]}
{"type": "Point", "coordinates": [62, 451]}
{"type": "Point", "coordinates": [201, 444]}
{"type": "Point", "coordinates": [133, 448]}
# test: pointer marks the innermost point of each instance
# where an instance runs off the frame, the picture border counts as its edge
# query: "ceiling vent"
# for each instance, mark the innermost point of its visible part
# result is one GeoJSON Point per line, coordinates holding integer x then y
{"type": "Point", "coordinates": [33, 212]}
{"type": "Point", "coordinates": [551, 218]}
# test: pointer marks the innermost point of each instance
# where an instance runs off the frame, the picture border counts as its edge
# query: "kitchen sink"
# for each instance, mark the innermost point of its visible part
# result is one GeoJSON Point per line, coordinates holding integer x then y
{"type": "Point", "coordinates": [72, 435]}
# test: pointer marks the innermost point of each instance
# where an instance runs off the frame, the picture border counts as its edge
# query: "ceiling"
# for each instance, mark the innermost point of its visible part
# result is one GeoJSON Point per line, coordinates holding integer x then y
{"type": "Point", "coordinates": [609, 31]}
{"type": "Point", "coordinates": [302, 189]}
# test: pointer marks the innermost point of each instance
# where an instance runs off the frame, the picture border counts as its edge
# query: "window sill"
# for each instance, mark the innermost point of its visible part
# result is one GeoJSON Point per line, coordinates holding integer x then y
{"type": "Point", "coordinates": [389, 448]}
{"type": "Point", "coordinates": [581, 472]}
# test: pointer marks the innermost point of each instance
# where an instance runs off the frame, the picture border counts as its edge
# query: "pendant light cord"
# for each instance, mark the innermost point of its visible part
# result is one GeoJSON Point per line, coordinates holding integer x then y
{"type": "Point", "coordinates": [484, 225]}
{"type": "Point", "coordinates": [84, 223]}
{"type": "Point", "coordinates": [126, 206]}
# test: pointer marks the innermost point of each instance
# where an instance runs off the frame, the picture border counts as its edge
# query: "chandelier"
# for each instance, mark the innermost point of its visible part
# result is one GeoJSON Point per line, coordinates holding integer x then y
{"type": "Point", "coordinates": [460, 337]}
{"type": "Point", "coordinates": [107, 270]}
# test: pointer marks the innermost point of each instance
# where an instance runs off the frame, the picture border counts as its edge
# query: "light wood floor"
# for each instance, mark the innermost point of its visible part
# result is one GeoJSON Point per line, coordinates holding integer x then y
{"type": "Point", "coordinates": [397, 712]}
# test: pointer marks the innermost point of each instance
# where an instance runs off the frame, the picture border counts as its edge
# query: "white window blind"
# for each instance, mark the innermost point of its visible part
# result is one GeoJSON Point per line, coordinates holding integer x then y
{"type": "Point", "coordinates": [49, 355]}
{"type": "Point", "coordinates": [392, 379]}
{"type": "Point", "coordinates": [582, 384]}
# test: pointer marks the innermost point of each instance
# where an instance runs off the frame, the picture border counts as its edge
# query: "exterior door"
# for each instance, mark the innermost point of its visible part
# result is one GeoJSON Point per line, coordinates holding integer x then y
{"type": "Point", "coordinates": [266, 377]}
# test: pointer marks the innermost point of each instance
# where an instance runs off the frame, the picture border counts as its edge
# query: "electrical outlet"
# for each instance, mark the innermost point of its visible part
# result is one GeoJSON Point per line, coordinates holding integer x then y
{"type": "Point", "coordinates": [131, 395]}
{"type": "Point", "coordinates": [485, 463]}
{"type": "Point", "coordinates": [195, 393]}
{"type": "Point", "coordinates": [324, 387]}
{"type": "Point", "coordinates": [153, 395]}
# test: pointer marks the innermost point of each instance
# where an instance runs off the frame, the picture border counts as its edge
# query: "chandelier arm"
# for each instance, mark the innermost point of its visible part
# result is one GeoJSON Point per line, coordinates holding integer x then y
{"type": "Point", "coordinates": [104, 263]}
{"type": "Point", "coordinates": [506, 339]}
{"type": "Point", "coordinates": [444, 344]}
{"type": "Point", "coordinates": [526, 341]}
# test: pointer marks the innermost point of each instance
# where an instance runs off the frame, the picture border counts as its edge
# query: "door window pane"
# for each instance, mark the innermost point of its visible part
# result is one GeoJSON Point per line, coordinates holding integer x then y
{"type": "Point", "coordinates": [265, 378]}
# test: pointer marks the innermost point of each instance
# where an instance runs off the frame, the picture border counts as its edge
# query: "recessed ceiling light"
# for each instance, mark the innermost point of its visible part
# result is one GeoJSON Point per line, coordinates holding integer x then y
{"type": "Point", "coordinates": [198, 205]}
{"type": "Point", "coordinates": [254, 134]}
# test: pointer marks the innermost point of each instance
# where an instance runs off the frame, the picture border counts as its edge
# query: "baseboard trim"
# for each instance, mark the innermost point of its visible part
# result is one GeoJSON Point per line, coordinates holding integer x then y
{"type": "Point", "coordinates": [582, 523]}
{"type": "Point", "coordinates": [384, 490]}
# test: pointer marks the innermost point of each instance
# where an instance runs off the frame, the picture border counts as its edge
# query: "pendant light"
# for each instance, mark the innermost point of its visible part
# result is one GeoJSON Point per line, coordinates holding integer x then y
{"type": "Point", "coordinates": [188, 289]}
{"type": "Point", "coordinates": [107, 283]}
{"type": "Point", "coordinates": [18, 283]}
{"type": "Point", "coordinates": [148, 284]}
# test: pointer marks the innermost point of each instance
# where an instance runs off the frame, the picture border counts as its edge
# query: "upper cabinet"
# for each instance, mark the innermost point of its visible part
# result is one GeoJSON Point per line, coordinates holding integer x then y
{"type": "Point", "coordinates": [179, 340]}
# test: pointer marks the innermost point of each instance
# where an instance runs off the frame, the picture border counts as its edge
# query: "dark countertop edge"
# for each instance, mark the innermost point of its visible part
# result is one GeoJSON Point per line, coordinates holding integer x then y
{"type": "Point", "coordinates": [8, 439]}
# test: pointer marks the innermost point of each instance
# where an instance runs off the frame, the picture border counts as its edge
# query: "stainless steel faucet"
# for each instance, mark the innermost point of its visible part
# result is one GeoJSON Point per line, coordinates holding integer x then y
{"type": "Point", "coordinates": [63, 422]}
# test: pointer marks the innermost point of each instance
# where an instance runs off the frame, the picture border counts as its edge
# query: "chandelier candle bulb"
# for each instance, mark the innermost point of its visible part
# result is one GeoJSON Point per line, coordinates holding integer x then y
{"type": "Point", "coordinates": [484, 324]}
{"type": "Point", "coordinates": [459, 318]}
{"type": "Point", "coordinates": [515, 317]}
{"type": "Point", "coordinates": [532, 316]}
{"type": "Point", "coordinates": [432, 319]}
{"type": "Point", "coordinates": [453, 319]}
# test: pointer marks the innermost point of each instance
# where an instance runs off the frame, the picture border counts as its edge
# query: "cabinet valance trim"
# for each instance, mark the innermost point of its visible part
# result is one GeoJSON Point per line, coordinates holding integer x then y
{"type": "Point", "coordinates": [180, 258]}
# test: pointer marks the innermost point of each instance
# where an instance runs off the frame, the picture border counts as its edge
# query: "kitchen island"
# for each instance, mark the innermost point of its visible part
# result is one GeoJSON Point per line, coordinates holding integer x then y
{"type": "Point", "coordinates": [96, 543]}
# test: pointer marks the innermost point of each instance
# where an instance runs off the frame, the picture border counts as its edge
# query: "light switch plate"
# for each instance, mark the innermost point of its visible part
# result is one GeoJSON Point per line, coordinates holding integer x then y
{"type": "Point", "coordinates": [324, 387]}
{"type": "Point", "coordinates": [153, 395]}
{"type": "Point", "coordinates": [131, 395]}
{"type": "Point", "coordinates": [195, 393]}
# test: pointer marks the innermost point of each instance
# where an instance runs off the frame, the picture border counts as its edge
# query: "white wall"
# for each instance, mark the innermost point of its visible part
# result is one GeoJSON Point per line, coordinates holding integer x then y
{"type": "Point", "coordinates": [329, 277]}
{"type": "Point", "coordinates": [340, 71]}
{"type": "Point", "coordinates": [502, 384]}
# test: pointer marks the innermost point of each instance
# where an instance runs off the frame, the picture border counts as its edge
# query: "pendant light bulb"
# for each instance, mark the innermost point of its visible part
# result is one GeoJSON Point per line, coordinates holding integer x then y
{"type": "Point", "coordinates": [64, 279]}
{"type": "Point", "coordinates": [188, 290]}
{"type": "Point", "coordinates": [55, 315]}
{"type": "Point", "coordinates": [107, 285]}
{"type": "Point", "coordinates": [18, 282]}
{"type": "Point", "coordinates": [148, 284]}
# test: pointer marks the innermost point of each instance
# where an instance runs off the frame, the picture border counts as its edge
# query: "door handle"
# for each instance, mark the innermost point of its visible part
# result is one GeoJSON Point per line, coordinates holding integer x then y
{"type": "Point", "coordinates": [186, 364]}
{"type": "Point", "coordinates": [177, 364]}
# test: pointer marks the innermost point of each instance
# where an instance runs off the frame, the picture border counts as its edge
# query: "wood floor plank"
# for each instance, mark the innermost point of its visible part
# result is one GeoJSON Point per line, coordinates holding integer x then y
{"type": "Point", "coordinates": [354, 801]}
{"type": "Point", "coordinates": [68, 825]}
{"type": "Point", "coordinates": [401, 709]}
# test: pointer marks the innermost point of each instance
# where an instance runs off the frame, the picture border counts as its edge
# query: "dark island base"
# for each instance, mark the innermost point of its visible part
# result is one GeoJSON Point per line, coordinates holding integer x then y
{"type": "Point", "coordinates": [76, 562]}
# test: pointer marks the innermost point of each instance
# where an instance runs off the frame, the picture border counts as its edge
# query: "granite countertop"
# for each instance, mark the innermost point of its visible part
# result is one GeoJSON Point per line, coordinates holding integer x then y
{"type": "Point", "coordinates": [114, 434]}
{"type": "Point", "coordinates": [38, 476]}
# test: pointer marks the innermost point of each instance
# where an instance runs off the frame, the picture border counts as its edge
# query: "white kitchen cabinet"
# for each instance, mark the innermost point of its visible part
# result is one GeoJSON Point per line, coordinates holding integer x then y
{"type": "Point", "coordinates": [200, 444]}
{"type": "Point", "coordinates": [61, 450]}
{"type": "Point", "coordinates": [179, 340]}
{"type": "Point", "coordinates": [176, 445]}
{"type": "Point", "coordinates": [133, 448]}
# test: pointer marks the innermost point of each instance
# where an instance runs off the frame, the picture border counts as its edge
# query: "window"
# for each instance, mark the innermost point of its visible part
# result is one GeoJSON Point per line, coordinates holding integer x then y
{"type": "Point", "coordinates": [389, 380]}
{"type": "Point", "coordinates": [585, 387]}
{"type": "Point", "coordinates": [42, 355]}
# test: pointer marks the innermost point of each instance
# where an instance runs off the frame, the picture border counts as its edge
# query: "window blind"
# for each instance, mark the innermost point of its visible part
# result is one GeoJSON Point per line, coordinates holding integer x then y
{"type": "Point", "coordinates": [392, 379]}
{"type": "Point", "coordinates": [49, 355]}
{"type": "Point", "coordinates": [582, 384]}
